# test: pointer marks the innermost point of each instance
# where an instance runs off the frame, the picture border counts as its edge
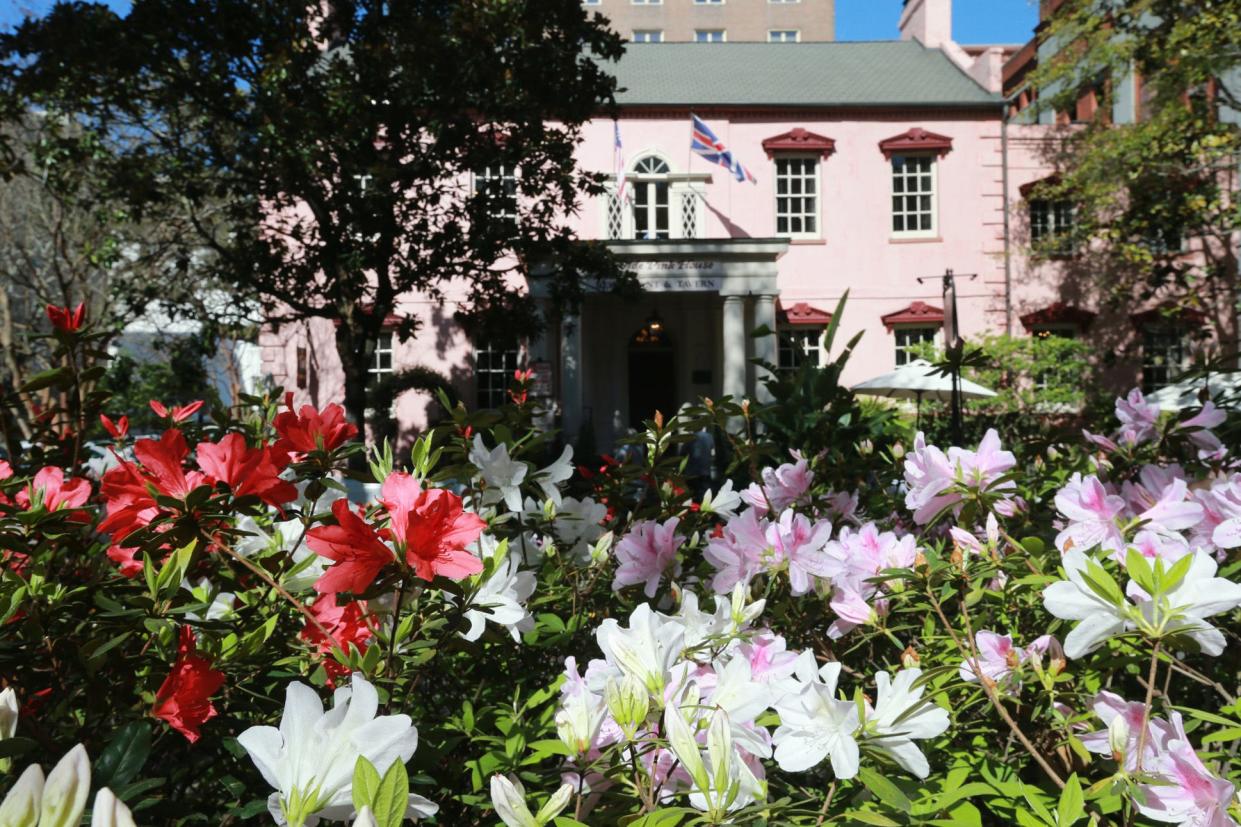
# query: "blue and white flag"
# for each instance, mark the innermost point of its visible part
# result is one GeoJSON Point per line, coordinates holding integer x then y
{"type": "Point", "coordinates": [618, 161]}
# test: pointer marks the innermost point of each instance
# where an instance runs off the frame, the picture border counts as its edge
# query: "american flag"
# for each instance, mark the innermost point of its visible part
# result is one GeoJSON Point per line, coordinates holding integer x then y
{"type": "Point", "coordinates": [705, 143]}
{"type": "Point", "coordinates": [618, 161]}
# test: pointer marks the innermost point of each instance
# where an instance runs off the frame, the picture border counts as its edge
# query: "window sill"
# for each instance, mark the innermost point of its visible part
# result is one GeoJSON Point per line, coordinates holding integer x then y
{"type": "Point", "coordinates": [805, 241]}
{"type": "Point", "coordinates": [929, 239]}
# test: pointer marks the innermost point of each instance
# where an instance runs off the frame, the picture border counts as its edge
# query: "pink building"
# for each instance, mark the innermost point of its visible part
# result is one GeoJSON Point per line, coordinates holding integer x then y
{"type": "Point", "coordinates": [877, 164]}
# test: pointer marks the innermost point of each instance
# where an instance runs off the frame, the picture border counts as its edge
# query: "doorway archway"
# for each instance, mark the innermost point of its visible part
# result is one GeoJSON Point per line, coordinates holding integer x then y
{"type": "Point", "coordinates": [652, 373]}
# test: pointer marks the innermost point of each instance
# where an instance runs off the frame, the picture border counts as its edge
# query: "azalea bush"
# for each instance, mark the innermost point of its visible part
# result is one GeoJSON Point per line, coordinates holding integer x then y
{"type": "Point", "coordinates": [207, 628]}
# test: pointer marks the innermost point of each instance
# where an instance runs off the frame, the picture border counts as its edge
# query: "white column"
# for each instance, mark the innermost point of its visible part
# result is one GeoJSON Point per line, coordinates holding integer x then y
{"type": "Point", "coordinates": [734, 345]}
{"type": "Point", "coordinates": [571, 376]}
{"type": "Point", "coordinates": [764, 346]}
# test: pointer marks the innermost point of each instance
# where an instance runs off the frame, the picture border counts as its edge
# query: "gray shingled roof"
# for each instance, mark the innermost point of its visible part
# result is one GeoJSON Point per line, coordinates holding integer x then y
{"type": "Point", "coordinates": [794, 74]}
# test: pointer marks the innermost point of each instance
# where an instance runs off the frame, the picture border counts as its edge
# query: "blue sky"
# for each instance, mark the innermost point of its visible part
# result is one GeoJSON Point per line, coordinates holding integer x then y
{"type": "Point", "coordinates": [974, 21]}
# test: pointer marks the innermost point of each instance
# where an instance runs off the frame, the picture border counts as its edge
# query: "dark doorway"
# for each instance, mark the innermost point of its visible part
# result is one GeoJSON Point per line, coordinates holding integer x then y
{"type": "Point", "coordinates": [652, 374]}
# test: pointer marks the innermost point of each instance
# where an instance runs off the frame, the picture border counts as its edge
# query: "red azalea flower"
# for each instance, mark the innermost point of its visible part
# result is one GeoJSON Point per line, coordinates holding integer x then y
{"type": "Point", "coordinates": [179, 413]}
{"type": "Point", "coordinates": [50, 489]}
{"type": "Point", "coordinates": [356, 548]}
{"type": "Point", "coordinates": [345, 624]}
{"type": "Point", "coordinates": [247, 470]}
{"type": "Point", "coordinates": [184, 699]}
{"type": "Point", "coordinates": [312, 430]}
{"type": "Point", "coordinates": [126, 488]}
{"type": "Point", "coordinates": [126, 559]}
{"type": "Point", "coordinates": [432, 528]}
{"type": "Point", "coordinates": [118, 429]}
{"type": "Point", "coordinates": [66, 320]}
{"type": "Point", "coordinates": [6, 470]}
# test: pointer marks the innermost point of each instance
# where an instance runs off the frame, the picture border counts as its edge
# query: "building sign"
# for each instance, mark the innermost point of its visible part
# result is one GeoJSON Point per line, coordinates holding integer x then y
{"type": "Point", "coordinates": [672, 276]}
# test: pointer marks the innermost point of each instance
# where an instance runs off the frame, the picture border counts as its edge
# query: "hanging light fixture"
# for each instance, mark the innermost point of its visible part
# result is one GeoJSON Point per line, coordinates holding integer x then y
{"type": "Point", "coordinates": [654, 323]}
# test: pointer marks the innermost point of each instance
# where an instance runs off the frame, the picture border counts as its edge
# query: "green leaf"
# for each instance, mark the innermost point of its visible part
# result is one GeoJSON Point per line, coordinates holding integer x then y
{"type": "Point", "coordinates": [123, 757]}
{"type": "Point", "coordinates": [392, 797]}
{"type": "Point", "coordinates": [1229, 734]}
{"type": "Point", "coordinates": [1140, 570]}
{"type": "Point", "coordinates": [885, 790]}
{"type": "Point", "coordinates": [365, 783]}
{"type": "Point", "coordinates": [1072, 804]}
{"type": "Point", "coordinates": [669, 817]}
{"type": "Point", "coordinates": [867, 817]}
{"type": "Point", "coordinates": [1025, 819]}
{"type": "Point", "coordinates": [46, 379]}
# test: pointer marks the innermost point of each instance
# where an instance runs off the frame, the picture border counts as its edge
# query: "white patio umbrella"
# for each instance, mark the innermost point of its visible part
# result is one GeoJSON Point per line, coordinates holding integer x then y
{"type": "Point", "coordinates": [1184, 394]}
{"type": "Point", "coordinates": [918, 380]}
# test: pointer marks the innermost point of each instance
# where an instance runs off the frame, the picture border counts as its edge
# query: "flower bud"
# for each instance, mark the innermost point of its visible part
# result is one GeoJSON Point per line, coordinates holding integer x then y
{"type": "Point", "coordinates": [628, 702]}
{"type": "Point", "coordinates": [866, 447]}
{"type": "Point", "coordinates": [21, 805]}
{"type": "Point", "coordinates": [898, 450]}
{"type": "Point", "coordinates": [66, 790]}
{"type": "Point", "coordinates": [559, 800]}
{"type": "Point", "coordinates": [1118, 738]}
{"type": "Point", "coordinates": [910, 658]}
{"type": "Point", "coordinates": [509, 799]}
{"type": "Point", "coordinates": [110, 811]}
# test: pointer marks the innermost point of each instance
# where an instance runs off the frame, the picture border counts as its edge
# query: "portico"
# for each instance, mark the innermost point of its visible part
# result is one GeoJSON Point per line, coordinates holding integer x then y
{"type": "Point", "coordinates": [687, 337]}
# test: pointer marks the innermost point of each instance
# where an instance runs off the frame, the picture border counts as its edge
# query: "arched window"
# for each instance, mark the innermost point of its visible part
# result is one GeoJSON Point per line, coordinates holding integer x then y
{"type": "Point", "coordinates": [650, 198]}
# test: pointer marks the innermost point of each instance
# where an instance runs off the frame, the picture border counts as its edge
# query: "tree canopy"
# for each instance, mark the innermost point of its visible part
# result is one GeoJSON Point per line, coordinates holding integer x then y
{"type": "Point", "coordinates": [356, 150]}
{"type": "Point", "coordinates": [1165, 183]}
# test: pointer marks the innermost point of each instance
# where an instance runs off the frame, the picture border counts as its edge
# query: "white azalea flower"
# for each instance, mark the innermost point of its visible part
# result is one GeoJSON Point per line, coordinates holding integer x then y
{"type": "Point", "coordinates": [365, 818]}
{"type": "Point", "coordinates": [578, 523]}
{"type": "Point", "coordinates": [551, 477]}
{"type": "Point", "coordinates": [220, 606]}
{"type": "Point", "coordinates": [21, 805]}
{"type": "Point", "coordinates": [310, 759]}
{"type": "Point", "coordinates": [723, 503]}
{"type": "Point", "coordinates": [648, 649]}
{"type": "Point", "coordinates": [57, 802]}
{"type": "Point", "coordinates": [501, 599]}
{"type": "Point", "coordinates": [900, 716]}
{"type": "Point", "coordinates": [1073, 599]}
{"type": "Point", "coordinates": [502, 473]}
{"type": "Point", "coordinates": [1183, 609]}
{"type": "Point", "coordinates": [816, 725]}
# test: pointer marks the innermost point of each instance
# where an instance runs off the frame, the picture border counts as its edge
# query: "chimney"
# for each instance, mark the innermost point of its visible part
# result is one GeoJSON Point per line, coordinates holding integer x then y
{"type": "Point", "coordinates": [927, 21]}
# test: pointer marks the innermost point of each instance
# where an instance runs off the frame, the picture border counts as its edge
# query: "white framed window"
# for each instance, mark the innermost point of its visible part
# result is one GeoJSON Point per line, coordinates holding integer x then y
{"type": "Point", "coordinates": [647, 2]}
{"type": "Point", "coordinates": [708, 2]}
{"type": "Point", "coordinates": [497, 186]}
{"type": "Point", "coordinates": [909, 336]}
{"type": "Point", "coordinates": [381, 361]}
{"type": "Point", "coordinates": [710, 35]}
{"type": "Point", "coordinates": [782, 2]}
{"type": "Point", "coordinates": [913, 196]}
{"type": "Point", "coordinates": [1051, 225]}
{"type": "Point", "coordinates": [797, 196]}
{"type": "Point", "coordinates": [1165, 355]}
{"type": "Point", "coordinates": [590, 2]}
{"type": "Point", "coordinates": [651, 209]}
{"type": "Point", "coordinates": [801, 345]}
{"type": "Point", "coordinates": [494, 368]}
{"type": "Point", "coordinates": [784, 36]}
{"type": "Point", "coordinates": [648, 36]}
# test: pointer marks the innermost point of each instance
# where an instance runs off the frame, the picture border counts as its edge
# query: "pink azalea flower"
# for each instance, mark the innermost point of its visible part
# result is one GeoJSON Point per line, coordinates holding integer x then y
{"type": "Point", "coordinates": [737, 552]}
{"type": "Point", "coordinates": [645, 553]}
{"type": "Point", "coordinates": [769, 657]}
{"type": "Point", "coordinates": [1192, 794]}
{"type": "Point", "coordinates": [857, 555]}
{"type": "Point", "coordinates": [851, 610]}
{"type": "Point", "coordinates": [997, 657]}
{"type": "Point", "coordinates": [1091, 512]}
{"type": "Point", "coordinates": [797, 541]}
{"type": "Point", "coordinates": [1138, 418]}
{"type": "Point", "coordinates": [1109, 706]}
{"type": "Point", "coordinates": [1220, 527]}
{"type": "Point", "coordinates": [1200, 425]}
{"type": "Point", "coordinates": [935, 479]}
{"type": "Point", "coordinates": [782, 486]}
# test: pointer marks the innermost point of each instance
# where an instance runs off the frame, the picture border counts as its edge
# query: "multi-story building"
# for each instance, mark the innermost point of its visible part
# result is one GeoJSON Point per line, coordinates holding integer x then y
{"type": "Point", "coordinates": [879, 166]}
{"type": "Point", "coordinates": [720, 21]}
